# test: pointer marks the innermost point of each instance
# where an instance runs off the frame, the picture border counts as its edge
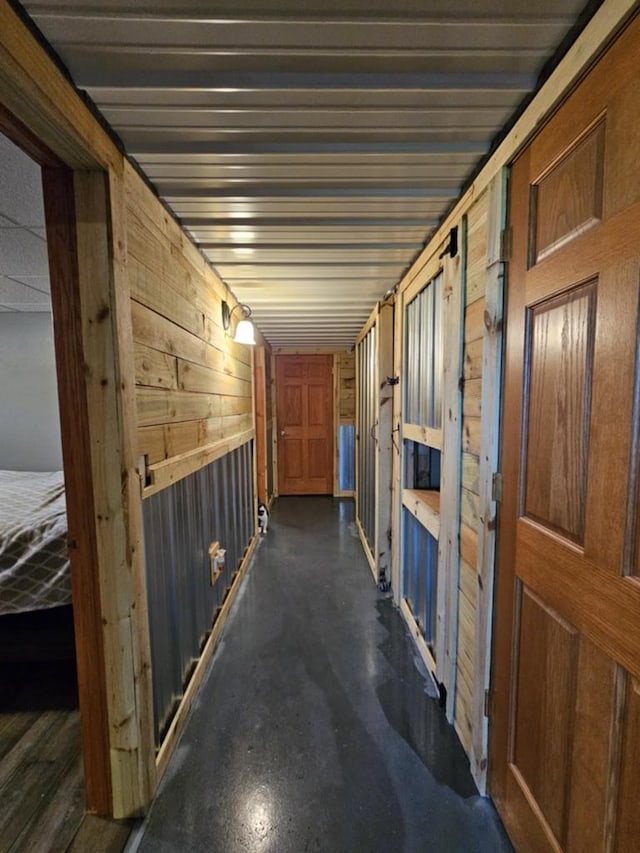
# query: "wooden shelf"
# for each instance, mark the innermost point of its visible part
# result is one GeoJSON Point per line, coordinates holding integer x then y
{"type": "Point", "coordinates": [423, 435]}
{"type": "Point", "coordinates": [424, 504]}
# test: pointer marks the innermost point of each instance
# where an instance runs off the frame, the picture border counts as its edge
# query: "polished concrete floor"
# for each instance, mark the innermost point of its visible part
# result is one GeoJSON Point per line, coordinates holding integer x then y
{"type": "Point", "coordinates": [314, 730]}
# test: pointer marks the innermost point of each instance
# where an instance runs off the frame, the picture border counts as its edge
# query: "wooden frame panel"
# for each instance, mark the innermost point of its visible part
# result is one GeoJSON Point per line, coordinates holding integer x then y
{"type": "Point", "coordinates": [490, 407]}
{"type": "Point", "coordinates": [76, 448]}
{"type": "Point", "coordinates": [84, 213]}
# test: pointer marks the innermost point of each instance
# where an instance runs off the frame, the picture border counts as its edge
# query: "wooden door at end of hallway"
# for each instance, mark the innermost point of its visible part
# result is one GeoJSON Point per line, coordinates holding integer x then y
{"type": "Point", "coordinates": [304, 400]}
{"type": "Point", "coordinates": [565, 727]}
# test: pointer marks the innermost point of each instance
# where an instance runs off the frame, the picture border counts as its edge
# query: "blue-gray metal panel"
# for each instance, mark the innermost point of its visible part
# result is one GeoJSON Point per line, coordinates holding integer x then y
{"type": "Point", "coordinates": [212, 504]}
{"type": "Point", "coordinates": [346, 475]}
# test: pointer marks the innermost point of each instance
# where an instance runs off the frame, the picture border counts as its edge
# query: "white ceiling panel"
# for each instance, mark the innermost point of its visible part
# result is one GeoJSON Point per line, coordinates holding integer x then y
{"type": "Point", "coordinates": [309, 148]}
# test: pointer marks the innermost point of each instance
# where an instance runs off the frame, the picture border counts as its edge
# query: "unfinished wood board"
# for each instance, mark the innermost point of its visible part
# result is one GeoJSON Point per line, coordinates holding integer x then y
{"type": "Point", "coordinates": [424, 504]}
{"type": "Point", "coordinates": [76, 423]}
{"type": "Point", "coordinates": [109, 365]}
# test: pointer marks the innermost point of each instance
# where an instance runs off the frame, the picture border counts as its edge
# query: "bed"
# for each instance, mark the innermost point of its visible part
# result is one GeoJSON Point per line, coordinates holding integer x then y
{"type": "Point", "coordinates": [34, 563]}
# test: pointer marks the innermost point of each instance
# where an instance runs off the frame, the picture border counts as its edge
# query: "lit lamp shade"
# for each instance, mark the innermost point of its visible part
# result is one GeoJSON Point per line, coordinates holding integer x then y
{"type": "Point", "coordinates": [244, 332]}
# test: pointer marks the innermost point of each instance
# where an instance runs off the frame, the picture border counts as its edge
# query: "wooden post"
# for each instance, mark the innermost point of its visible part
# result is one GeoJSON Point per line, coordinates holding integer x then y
{"type": "Point", "coordinates": [260, 424]}
{"type": "Point", "coordinates": [274, 430]}
{"type": "Point", "coordinates": [76, 448]}
{"type": "Point", "coordinates": [449, 540]}
{"type": "Point", "coordinates": [385, 446]}
{"type": "Point", "coordinates": [336, 423]}
{"type": "Point", "coordinates": [91, 304]}
{"type": "Point", "coordinates": [489, 456]}
{"type": "Point", "coordinates": [397, 456]}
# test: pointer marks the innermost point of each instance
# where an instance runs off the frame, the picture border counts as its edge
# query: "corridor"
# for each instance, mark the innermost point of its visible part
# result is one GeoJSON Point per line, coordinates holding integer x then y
{"type": "Point", "coordinates": [314, 729]}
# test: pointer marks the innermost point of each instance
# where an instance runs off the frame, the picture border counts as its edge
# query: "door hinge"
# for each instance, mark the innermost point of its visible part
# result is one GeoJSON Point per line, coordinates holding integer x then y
{"type": "Point", "coordinates": [496, 487]}
{"type": "Point", "coordinates": [506, 241]}
{"type": "Point", "coordinates": [487, 703]}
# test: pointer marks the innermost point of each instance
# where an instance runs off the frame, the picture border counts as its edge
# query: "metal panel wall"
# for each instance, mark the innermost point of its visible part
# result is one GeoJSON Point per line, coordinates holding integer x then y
{"type": "Point", "coordinates": [213, 504]}
{"type": "Point", "coordinates": [347, 452]}
{"type": "Point", "coordinates": [420, 573]}
{"type": "Point", "coordinates": [424, 357]}
{"type": "Point", "coordinates": [367, 441]}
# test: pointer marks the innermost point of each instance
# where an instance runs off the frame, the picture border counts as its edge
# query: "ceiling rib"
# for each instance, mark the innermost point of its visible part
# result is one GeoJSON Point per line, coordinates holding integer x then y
{"type": "Point", "coordinates": [310, 149]}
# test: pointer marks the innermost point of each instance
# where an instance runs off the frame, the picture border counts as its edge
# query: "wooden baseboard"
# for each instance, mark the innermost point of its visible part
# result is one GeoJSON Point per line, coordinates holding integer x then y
{"type": "Point", "coordinates": [418, 639]}
{"type": "Point", "coordinates": [177, 724]}
{"type": "Point", "coordinates": [367, 551]}
{"type": "Point", "coordinates": [344, 493]}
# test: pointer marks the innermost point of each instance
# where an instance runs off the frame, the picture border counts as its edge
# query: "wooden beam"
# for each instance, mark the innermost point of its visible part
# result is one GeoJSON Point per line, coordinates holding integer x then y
{"type": "Point", "coordinates": [418, 639]}
{"type": "Point", "coordinates": [424, 504]}
{"type": "Point", "coordinates": [21, 136]}
{"type": "Point", "coordinates": [163, 474]}
{"type": "Point", "coordinates": [141, 779]}
{"type": "Point", "coordinates": [109, 362]}
{"type": "Point", "coordinates": [367, 550]}
{"type": "Point", "coordinates": [489, 457]}
{"type": "Point", "coordinates": [385, 445]}
{"type": "Point", "coordinates": [66, 300]}
{"type": "Point", "coordinates": [449, 540]}
{"type": "Point", "coordinates": [423, 435]}
{"type": "Point", "coordinates": [260, 424]}
{"type": "Point", "coordinates": [397, 460]}
{"type": "Point", "coordinates": [336, 424]}
{"type": "Point", "coordinates": [371, 321]}
{"type": "Point", "coordinates": [36, 92]}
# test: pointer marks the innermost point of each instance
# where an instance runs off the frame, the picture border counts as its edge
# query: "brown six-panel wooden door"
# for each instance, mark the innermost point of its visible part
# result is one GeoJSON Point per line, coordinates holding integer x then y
{"type": "Point", "coordinates": [565, 734]}
{"type": "Point", "coordinates": [304, 396]}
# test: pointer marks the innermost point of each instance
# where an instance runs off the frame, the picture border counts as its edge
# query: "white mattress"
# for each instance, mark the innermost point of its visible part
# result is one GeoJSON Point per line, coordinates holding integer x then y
{"type": "Point", "coordinates": [34, 563]}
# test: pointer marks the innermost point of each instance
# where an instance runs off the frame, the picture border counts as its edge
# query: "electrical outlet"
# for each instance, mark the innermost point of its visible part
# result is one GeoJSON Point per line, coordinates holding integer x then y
{"type": "Point", "coordinates": [216, 561]}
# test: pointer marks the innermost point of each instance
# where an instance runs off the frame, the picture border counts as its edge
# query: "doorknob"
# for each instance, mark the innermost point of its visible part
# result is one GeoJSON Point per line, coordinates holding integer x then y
{"type": "Point", "coordinates": [283, 432]}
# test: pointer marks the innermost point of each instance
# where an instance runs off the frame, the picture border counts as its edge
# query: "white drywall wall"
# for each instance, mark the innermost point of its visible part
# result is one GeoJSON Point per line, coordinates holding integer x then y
{"type": "Point", "coordinates": [29, 419]}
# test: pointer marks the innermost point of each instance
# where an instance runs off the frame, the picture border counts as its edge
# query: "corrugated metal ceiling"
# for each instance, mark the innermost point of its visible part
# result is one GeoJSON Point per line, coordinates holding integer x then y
{"type": "Point", "coordinates": [309, 148]}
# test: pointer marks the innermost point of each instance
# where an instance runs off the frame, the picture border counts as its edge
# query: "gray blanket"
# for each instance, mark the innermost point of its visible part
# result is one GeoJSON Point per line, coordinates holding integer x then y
{"type": "Point", "coordinates": [34, 564]}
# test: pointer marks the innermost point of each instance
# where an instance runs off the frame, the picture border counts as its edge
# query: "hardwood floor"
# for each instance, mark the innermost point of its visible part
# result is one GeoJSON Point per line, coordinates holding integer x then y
{"type": "Point", "coordinates": [41, 777]}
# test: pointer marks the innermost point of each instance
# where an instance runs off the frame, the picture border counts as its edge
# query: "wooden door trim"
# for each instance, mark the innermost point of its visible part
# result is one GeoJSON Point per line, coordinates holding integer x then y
{"type": "Point", "coordinates": [76, 447]}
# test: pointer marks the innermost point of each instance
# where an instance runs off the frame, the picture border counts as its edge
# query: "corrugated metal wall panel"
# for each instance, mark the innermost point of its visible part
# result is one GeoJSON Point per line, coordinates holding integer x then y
{"type": "Point", "coordinates": [213, 504]}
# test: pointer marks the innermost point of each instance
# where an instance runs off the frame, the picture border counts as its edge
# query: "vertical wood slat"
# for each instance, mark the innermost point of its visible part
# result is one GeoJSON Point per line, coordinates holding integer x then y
{"type": "Point", "coordinates": [385, 444]}
{"type": "Point", "coordinates": [66, 300]}
{"type": "Point", "coordinates": [451, 472]}
{"type": "Point", "coordinates": [396, 440]}
{"type": "Point", "coordinates": [490, 408]}
{"type": "Point", "coordinates": [142, 778]}
{"type": "Point", "coordinates": [260, 395]}
{"type": "Point", "coordinates": [336, 423]}
{"type": "Point", "coordinates": [274, 430]}
{"type": "Point", "coordinates": [108, 357]}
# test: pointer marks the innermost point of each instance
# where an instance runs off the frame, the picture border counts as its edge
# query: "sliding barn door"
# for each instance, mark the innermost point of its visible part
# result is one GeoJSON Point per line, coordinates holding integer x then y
{"type": "Point", "coordinates": [304, 394]}
{"type": "Point", "coordinates": [374, 362]}
{"type": "Point", "coordinates": [566, 730]}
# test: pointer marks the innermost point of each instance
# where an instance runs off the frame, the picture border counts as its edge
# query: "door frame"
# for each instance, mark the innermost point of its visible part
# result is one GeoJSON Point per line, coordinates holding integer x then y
{"type": "Point", "coordinates": [85, 218]}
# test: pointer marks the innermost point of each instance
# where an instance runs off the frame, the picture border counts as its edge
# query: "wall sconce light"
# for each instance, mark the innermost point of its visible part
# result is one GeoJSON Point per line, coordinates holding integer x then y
{"type": "Point", "coordinates": [244, 329]}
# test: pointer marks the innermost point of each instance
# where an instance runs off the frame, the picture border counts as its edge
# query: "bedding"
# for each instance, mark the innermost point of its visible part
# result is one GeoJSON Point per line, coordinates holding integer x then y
{"type": "Point", "coordinates": [34, 563]}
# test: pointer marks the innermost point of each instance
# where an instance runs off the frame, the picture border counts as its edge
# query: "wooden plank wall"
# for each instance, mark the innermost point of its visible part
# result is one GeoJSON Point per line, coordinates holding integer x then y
{"type": "Point", "coordinates": [470, 488]}
{"type": "Point", "coordinates": [347, 387]}
{"type": "Point", "coordinates": [193, 382]}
